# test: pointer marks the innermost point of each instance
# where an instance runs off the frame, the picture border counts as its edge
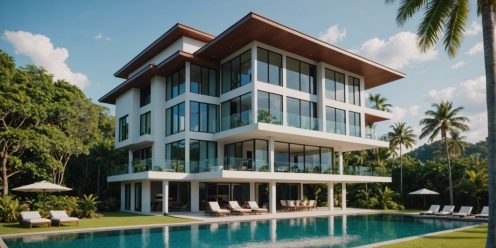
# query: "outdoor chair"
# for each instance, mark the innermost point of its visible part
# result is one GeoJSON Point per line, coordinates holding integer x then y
{"type": "Point", "coordinates": [464, 211]}
{"type": "Point", "coordinates": [292, 205]}
{"type": "Point", "coordinates": [284, 205]}
{"type": "Point", "coordinates": [312, 204]}
{"type": "Point", "coordinates": [33, 218]}
{"type": "Point", "coordinates": [214, 209]}
{"type": "Point", "coordinates": [484, 213]}
{"type": "Point", "coordinates": [60, 216]}
{"type": "Point", "coordinates": [304, 205]}
{"type": "Point", "coordinates": [235, 208]}
{"type": "Point", "coordinates": [447, 210]}
{"type": "Point", "coordinates": [254, 207]}
{"type": "Point", "coordinates": [432, 210]}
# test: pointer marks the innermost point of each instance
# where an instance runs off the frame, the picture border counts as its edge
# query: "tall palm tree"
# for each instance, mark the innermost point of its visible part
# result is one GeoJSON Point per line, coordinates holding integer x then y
{"type": "Point", "coordinates": [442, 120]}
{"type": "Point", "coordinates": [456, 144]}
{"type": "Point", "coordinates": [402, 135]}
{"type": "Point", "coordinates": [451, 16]}
{"type": "Point", "coordinates": [379, 102]}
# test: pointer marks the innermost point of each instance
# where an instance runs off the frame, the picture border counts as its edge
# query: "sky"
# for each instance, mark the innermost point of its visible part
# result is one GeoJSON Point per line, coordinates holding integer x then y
{"type": "Point", "coordinates": [86, 42]}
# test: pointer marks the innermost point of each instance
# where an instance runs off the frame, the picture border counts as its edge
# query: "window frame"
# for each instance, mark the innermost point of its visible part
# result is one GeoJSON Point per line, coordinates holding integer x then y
{"type": "Point", "coordinates": [312, 69]}
{"type": "Point", "coordinates": [354, 85]}
{"type": "Point", "coordinates": [205, 86]}
{"type": "Point", "coordinates": [335, 120]}
{"type": "Point", "coordinates": [169, 117]}
{"type": "Point", "coordinates": [236, 78]}
{"type": "Point", "coordinates": [170, 86]}
{"type": "Point", "coordinates": [199, 119]}
{"type": "Point", "coordinates": [269, 105]}
{"type": "Point", "coordinates": [123, 128]}
{"type": "Point", "coordinates": [268, 54]}
{"type": "Point", "coordinates": [146, 123]}
{"type": "Point", "coordinates": [228, 104]}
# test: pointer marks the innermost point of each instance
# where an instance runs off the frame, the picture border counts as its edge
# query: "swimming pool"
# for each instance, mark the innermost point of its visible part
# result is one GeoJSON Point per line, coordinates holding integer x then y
{"type": "Point", "coordinates": [328, 231]}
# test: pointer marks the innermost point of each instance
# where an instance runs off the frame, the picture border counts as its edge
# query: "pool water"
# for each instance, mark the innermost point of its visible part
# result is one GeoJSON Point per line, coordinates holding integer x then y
{"type": "Point", "coordinates": [328, 231]}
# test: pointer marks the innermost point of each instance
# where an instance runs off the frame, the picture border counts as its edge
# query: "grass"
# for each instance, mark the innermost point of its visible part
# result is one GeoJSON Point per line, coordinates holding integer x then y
{"type": "Point", "coordinates": [110, 219]}
{"type": "Point", "coordinates": [473, 237]}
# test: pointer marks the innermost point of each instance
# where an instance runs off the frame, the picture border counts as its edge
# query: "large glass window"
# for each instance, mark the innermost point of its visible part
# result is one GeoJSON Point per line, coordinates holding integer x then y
{"type": "Point", "coordinates": [249, 155]}
{"type": "Point", "coordinates": [269, 66]}
{"type": "Point", "coordinates": [236, 72]}
{"type": "Point", "coordinates": [174, 156]}
{"type": "Point", "coordinates": [301, 76]}
{"type": "Point", "coordinates": [123, 128]}
{"type": "Point", "coordinates": [145, 95]}
{"type": "Point", "coordinates": [355, 123]}
{"type": "Point", "coordinates": [236, 112]}
{"type": "Point", "coordinates": [269, 108]}
{"type": "Point", "coordinates": [174, 117]}
{"type": "Point", "coordinates": [142, 160]}
{"type": "Point", "coordinates": [335, 120]}
{"type": "Point", "coordinates": [137, 197]}
{"type": "Point", "coordinates": [334, 84]}
{"type": "Point", "coordinates": [302, 114]}
{"type": "Point", "coordinates": [303, 158]}
{"type": "Point", "coordinates": [175, 84]}
{"type": "Point", "coordinates": [354, 90]}
{"type": "Point", "coordinates": [203, 81]}
{"type": "Point", "coordinates": [146, 123]}
{"type": "Point", "coordinates": [203, 117]}
{"type": "Point", "coordinates": [203, 155]}
{"type": "Point", "coordinates": [127, 196]}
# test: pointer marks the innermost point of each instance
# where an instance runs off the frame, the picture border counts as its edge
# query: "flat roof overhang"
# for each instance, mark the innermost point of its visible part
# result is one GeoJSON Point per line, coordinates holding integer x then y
{"type": "Point", "coordinates": [255, 27]}
{"type": "Point", "coordinates": [170, 36]}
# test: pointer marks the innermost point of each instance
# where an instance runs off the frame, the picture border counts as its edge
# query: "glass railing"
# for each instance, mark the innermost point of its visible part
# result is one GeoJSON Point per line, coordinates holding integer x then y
{"type": "Point", "coordinates": [205, 165]}
{"type": "Point", "coordinates": [305, 122]}
{"type": "Point", "coordinates": [236, 120]}
{"type": "Point", "coordinates": [243, 164]}
{"type": "Point", "coordinates": [304, 168]}
{"type": "Point", "coordinates": [366, 171]}
{"type": "Point", "coordinates": [273, 117]}
{"type": "Point", "coordinates": [336, 127]}
{"type": "Point", "coordinates": [372, 133]}
{"type": "Point", "coordinates": [119, 169]}
{"type": "Point", "coordinates": [153, 164]}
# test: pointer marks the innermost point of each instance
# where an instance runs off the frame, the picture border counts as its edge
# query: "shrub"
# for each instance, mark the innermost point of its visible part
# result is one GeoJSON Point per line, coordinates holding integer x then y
{"type": "Point", "coordinates": [109, 204]}
{"type": "Point", "coordinates": [87, 206]}
{"type": "Point", "coordinates": [45, 203]}
{"type": "Point", "coordinates": [9, 208]}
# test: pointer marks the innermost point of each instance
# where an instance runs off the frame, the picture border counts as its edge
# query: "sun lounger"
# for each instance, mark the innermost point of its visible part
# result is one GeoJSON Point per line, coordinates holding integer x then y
{"type": "Point", "coordinates": [214, 209]}
{"type": "Point", "coordinates": [60, 217]}
{"type": "Point", "coordinates": [284, 205]}
{"type": "Point", "coordinates": [464, 211]}
{"type": "Point", "coordinates": [292, 205]}
{"type": "Point", "coordinates": [484, 213]}
{"type": "Point", "coordinates": [254, 207]}
{"type": "Point", "coordinates": [33, 218]}
{"type": "Point", "coordinates": [235, 208]}
{"type": "Point", "coordinates": [312, 204]}
{"type": "Point", "coordinates": [432, 210]}
{"type": "Point", "coordinates": [447, 210]}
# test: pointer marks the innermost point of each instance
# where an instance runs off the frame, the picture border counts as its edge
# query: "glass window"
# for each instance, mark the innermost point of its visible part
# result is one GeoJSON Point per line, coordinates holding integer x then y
{"type": "Point", "coordinates": [203, 155]}
{"type": "Point", "coordinates": [175, 118]}
{"type": "Point", "coordinates": [312, 159]}
{"type": "Point", "coordinates": [292, 73]}
{"type": "Point", "coordinates": [269, 66]}
{"type": "Point", "coordinates": [326, 161]}
{"type": "Point", "coordinates": [236, 72]}
{"type": "Point", "coordinates": [303, 158]}
{"type": "Point", "coordinates": [137, 197]}
{"type": "Point", "coordinates": [127, 196]}
{"type": "Point", "coordinates": [301, 76]}
{"type": "Point", "coordinates": [355, 124]}
{"type": "Point", "coordinates": [281, 157]}
{"type": "Point", "coordinates": [236, 112]}
{"type": "Point", "coordinates": [145, 95]}
{"type": "Point", "coordinates": [296, 158]}
{"type": "Point", "coordinates": [175, 84]}
{"type": "Point", "coordinates": [302, 114]}
{"type": "Point", "coordinates": [269, 108]}
{"type": "Point", "coordinates": [174, 156]}
{"type": "Point", "coordinates": [251, 155]}
{"type": "Point", "coordinates": [335, 120]}
{"type": "Point", "coordinates": [203, 117]}
{"type": "Point", "coordinates": [293, 109]}
{"type": "Point", "coordinates": [354, 90]}
{"type": "Point", "coordinates": [203, 81]}
{"type": "Point", "coordinates": [146, 123]}
{"type": "Point", "coordinates": [334, 83]}
{"type": "Point", "coordinates": [196, 78]}
{"type": "Point", "coordinates": [123, 128]}
{"type": "Point", "coordinates": [262, 65]}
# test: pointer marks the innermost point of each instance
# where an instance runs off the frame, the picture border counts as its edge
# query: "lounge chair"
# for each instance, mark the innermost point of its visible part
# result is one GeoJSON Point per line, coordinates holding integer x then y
{"type": "Point", "coordinates": [484, 213]}
{"type": "Point", "coordinates": [304, 205]}
{"type": "Point", "coordinates": [236, 208]}
{"type": "Point", "coordinates": [214, 209]}
{"type": "Point", "coordinates": [447, 210]}
{"type": "Point", "coordinates": [312, 204]}
{"type": "Point", "coordinates": [284, 205]}
{"type": "Point", "coordinates": [292, 205]}
{"type": "Point", "coordinates": [434, 209]}
{"type": "Point", "coordinates": [254, 207]}
{"type": "Point", "coordinates": [61, 216]}
{"type": "Point", "coordinates": [464, 211]}
{"type": "Point", "coordinates": [33, 218]}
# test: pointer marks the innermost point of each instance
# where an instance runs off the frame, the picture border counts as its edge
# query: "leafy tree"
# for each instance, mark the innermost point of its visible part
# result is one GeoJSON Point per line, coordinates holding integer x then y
{"type": "Point", "coordinates": [451, 17]}
{"type": "Point", "coordinates": [401, 135]}
{"type": "Point", "coordinates": [473, 184]}
{"type": "Point", "coordinates": [456, 144]}
{"type": "Point", "coordinates": [379, 102]}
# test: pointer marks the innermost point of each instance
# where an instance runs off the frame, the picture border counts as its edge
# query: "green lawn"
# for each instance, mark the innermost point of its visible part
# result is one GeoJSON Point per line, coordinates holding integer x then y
{"type": "Point", "coordinates": [111, 219]}
{"type": "Point", "coordinates": [473, 238]}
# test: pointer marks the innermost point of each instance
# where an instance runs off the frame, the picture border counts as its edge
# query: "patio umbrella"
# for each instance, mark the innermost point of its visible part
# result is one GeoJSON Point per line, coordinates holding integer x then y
{"type": "Point", "coordinates": [42, 186]}
{"type": "Point", "coordinates": [423, 192]}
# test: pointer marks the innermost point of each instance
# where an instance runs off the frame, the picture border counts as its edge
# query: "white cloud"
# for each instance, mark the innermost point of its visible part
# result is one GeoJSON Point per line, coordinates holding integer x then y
{"type": "Point", "coordinates": [474, 29]}
{"type": "Point", "coordinates": [443, 94]}
{"type": "Point", "coordinates": [458, 65]}
{"type": "Point", "coordinates": [399, 112]}
{"type": "Point", "coordinates": [333, 34]}
{"type": "Point", "coordinates": [474, 89]}
{"type": "Point", "coordinates": [100, 36]}
{"type": "Point", "coordinates": [477, 48]}
{"type": "Point", "coordinates": [478, 127]}
{"type": "Point", "coordinates": [397, 51]}
{"type": "Point", "coordinates": [41, 51]}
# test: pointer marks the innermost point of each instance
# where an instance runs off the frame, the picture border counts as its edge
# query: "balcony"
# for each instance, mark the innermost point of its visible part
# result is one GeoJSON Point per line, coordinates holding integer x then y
{"type": "Point", "coordinates": [302, 167]}
{"type": "Point", "coordinates": [372, 133]}
{"type": "Point", "coordinates": [243, 164]}
{"type": "Point", "coordinates": [366, 171]}
{"type": "Point", "coordinates": [301, 121]}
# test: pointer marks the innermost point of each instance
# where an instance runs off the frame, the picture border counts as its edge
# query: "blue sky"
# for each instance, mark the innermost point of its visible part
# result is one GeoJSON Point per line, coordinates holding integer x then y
{"type": "Point", "coordinates": [87, 41]}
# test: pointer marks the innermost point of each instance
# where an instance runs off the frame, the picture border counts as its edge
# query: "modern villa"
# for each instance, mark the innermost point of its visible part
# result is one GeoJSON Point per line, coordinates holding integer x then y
{"type": "Point", "coordinates": [257, 113]}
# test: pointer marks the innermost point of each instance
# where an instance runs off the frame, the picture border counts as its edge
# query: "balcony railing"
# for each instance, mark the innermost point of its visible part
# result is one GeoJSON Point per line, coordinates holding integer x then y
{"type": "Point", "coordinates": [303, 167]}
{"type": "Point", "coordinates": [372, 133]}
{"type": "Point", "coordinates": [305, 122]}
{"type": "Point", "coordinates": [366, 171]}
{"type": "Point", "coordinates": [243, 164]}
{"type": "Point", "coordinates": [236, 120]}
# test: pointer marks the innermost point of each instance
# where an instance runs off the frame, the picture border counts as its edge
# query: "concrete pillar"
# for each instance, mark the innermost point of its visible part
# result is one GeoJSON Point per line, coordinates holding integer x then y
{"type": "Point", "coordinates": [145, 197]}
{"type": "Point", "coordinates": [272, 197]}
{"type": "Point", "coordinates": [252, 192]}
{"type": "Point", "coordinates": [165, 196]}
{"type": "Point", "coordinates": [254, 93]}
{"type": "Point", "coordinates": [330, 196]}
{"type": "Point", "coordinates": [157, 94]}
{"type": "Point", "coordinates": [123, 196]}
{"type": "Point", "coordinates": [340, 163]}
{"type": "Point", "coordinates": [271, 155]}
{"type": "Point", "coordinates": [195, 196]}
{"type": "Point", "coordinates": [343, 196]}
{"type": "Point", "coordinates": [321, 95]}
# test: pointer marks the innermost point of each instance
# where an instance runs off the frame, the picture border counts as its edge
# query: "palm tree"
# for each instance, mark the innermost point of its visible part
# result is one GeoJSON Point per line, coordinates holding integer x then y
{"type": "Point", "coordinates": [456, 144]}
{"type": "Point", "coordinates": [451, 16]}
{"type": "Point", "coordinates": [402, 135]}
{"type": "Point", "coordinates": [443, 120]}
{"type": "Point", "coordinates": [379, 102]}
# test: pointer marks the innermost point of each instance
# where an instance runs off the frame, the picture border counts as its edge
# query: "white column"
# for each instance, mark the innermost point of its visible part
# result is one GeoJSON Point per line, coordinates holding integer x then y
{"type": "Point", "coordinates": [330, 196]}
{"type": "Point", "coordinates": [123, 195]}
{"type": "Point", "coordinates": [254, 93]}
{"type": "Point", "coordinates": [321, 95]}
{"type": "Point", "coordinates": [165, 196]}
{"type": "Point", "coordinates": [343, 196]}
{"type": "Point", "coordinates": [187, 93]}
{"type": "Point", "coordinates": [271, 154]}
{"type": "Point", "coordinates": [252, 192]}
{"type": "Point", "coordinates": [157, 94]}
{"type": "Point", "coordinates": [145, 197]}
{"type": "Point", "coordinates": [340, 163]}
{"type": "Point", "coordinates": [195, 195]}
{"type": "Point", "coordinates": [272, 196]}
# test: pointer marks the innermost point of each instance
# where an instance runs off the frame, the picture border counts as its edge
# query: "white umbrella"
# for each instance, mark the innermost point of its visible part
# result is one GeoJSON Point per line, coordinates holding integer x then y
{"type": "Point", "coordinates": [42, 186]}
{"type": "Point", "coordinates": [424, 192]}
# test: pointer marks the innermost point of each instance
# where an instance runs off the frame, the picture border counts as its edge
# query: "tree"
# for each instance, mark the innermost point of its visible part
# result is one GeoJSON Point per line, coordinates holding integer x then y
{"type": "Point", "coordinates": [456, 144]}
{"type": "Point", "coordinates": [379, 102]}
{"type": "Point", "coordinates": [473, 184]}
{"type": "Point", "coordinates": [401, 135]}
{"type": "Point", "coordinates": [451, 16]}
{"type": "Point", "coordinates": [442, 120]}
